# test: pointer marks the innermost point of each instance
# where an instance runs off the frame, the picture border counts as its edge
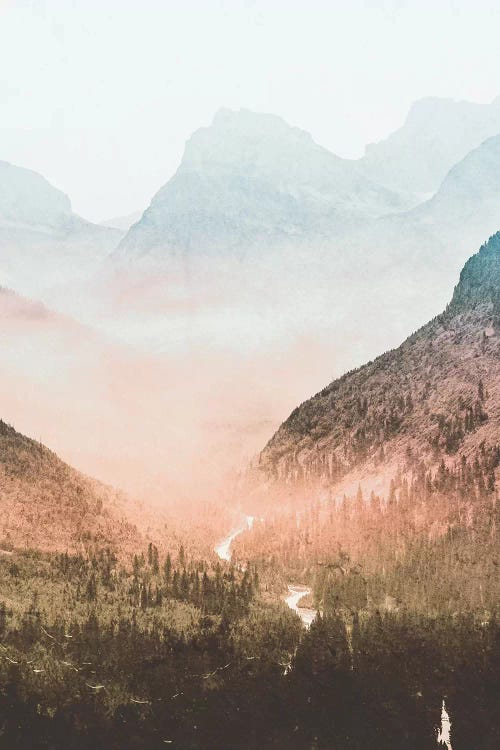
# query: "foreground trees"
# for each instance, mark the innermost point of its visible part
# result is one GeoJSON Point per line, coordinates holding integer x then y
{"type": "Point", "coordinates": [212, 663]}
{"type": "Point", "coordinates": [196, 653]}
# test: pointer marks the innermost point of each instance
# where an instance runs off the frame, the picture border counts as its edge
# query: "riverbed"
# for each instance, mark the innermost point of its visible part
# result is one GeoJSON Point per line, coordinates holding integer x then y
{"type": "Point", "coordinates": [296, 592]}
{"type": "Point", "coordinates": [223, 548]}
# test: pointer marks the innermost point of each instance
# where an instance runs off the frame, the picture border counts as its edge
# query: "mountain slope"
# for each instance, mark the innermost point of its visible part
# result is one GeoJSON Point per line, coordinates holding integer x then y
{"type": "Point", "coordinates": [42, 242]}
{"type": "Point", "coordinates": [28, 199]}
{"type": "Point", "coordinates": [251, 178]}
{"type": "Point", "coordinates": [436, 135]}
{"type": "Point", "coordinates": [420, 252]}
{"type": "Point", "coordinates": [469, 196]}
{"type": "Point", "coordinates": [435, 396]}
{"type": "Point", "coordinates": [50, 506]}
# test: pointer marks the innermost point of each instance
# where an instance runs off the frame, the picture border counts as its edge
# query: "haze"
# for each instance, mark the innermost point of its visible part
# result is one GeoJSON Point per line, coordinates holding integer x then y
{"type": "Point", "coordinates": [100, 97]}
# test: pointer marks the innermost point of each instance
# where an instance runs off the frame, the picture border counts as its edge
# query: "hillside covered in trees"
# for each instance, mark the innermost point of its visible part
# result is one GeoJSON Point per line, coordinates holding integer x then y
{"type": "Point", "coordinates": [180, 651]}
{"type": "Point", "coordinates": [433, 398]}
{"type": "Point", "coordinates": [48, 505]}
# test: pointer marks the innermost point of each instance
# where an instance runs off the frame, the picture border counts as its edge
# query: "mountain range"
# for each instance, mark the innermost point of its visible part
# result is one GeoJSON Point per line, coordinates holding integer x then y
{"type": "Point", "coordinates": [437, 134]}
{"type": "Point", "coordinates": [262, 262]}
{"type": "Point", "coordinates": [252, 178]}
{"type": "Point", "coordinates": [249, 183]}
{"type": "Point", "coordinates": [252, 181]}
{"type": "Point", "coordinates": [252, 188]}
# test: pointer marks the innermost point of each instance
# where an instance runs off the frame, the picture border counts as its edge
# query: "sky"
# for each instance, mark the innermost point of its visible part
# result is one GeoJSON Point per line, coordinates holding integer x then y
{"type": "Point", "coordinates": [100, 96]}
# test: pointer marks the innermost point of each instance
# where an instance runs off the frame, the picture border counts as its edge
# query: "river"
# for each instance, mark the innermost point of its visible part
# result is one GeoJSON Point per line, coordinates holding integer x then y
{"type": "Point", "coordinates": [223, 548]}
{"type": "Point", "coordinates": [296, 593]}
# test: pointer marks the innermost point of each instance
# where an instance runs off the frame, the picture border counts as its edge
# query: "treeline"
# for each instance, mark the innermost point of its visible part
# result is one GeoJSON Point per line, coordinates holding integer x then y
{"type": "Point", "coordinates": [200, 654]}
{"type": "Point", "coordinates": [96, 655]}
{"type": "Point", "coordinates": [430, 544]}
{"type": "Point", "coordinates": [368, 680]}
{"type": "Point", "coordinates": [153, 581]}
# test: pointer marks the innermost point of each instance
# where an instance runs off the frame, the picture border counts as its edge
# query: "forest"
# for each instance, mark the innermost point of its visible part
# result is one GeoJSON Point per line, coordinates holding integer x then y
{"type": "Point", "coordinates": [172, 649]}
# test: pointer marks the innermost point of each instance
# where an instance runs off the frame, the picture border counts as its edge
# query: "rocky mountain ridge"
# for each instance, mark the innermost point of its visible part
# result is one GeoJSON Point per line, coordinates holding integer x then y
{"type": "Point", "coordinates": [251, 178]}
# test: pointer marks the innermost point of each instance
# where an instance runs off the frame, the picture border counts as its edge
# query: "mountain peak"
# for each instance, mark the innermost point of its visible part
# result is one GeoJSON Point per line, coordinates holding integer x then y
{"type": "Point", "coordinates": [243, 139]}
{"type": "Point", "coordinates": [248, 120]}
{"type": "Point", "coordinates": [27, 198]}
{"type": "Point", "coordinates": [251, 180]}
{"type": "Point", "coordinates": [479, 282]}
{"type": "Point", "coordinates": [436, 134]}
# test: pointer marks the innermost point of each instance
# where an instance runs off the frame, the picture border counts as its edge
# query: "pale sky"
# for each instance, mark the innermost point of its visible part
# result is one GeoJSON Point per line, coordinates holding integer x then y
{"type": "Point", "coordinates": [100, 95]}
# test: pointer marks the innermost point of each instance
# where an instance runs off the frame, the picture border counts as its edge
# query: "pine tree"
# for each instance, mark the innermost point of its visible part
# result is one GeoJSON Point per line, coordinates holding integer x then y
{"type": "Point", "coordinates": [168, 569]}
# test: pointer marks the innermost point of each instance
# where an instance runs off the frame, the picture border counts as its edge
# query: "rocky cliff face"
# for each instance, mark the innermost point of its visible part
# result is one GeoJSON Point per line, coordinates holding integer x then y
{"type": "Point", "coordinates": [478, 290]}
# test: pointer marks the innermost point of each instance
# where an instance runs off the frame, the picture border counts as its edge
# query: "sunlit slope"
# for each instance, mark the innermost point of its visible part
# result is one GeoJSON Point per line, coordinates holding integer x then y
{"type": "Point", "coordinates": [434, 397]}
{"type": "Point", "coordinates": [48, 505]}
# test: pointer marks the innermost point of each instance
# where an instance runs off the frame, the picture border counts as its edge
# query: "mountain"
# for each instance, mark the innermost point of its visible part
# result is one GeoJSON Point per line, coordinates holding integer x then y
{"type": "Point", "coordinates": [28, 199]}
{"type": "Point", "coordinates": [417, 254]}
{"type": "Point", "coordinates": [436, 135]}
{"type": "Point", "coordinates": [48, 505]}
{"type": "Point", "coordinates": [435, 397]}
{"type": "Point", "coordinates": [44, 244]}
{"type": "Point", "coordinates": [255, 200]}
{"type": "Point", "coordinates": [252, 179]}
{"type": "Point", "coordinates": [321, 294]}
{"type": "Point", "coordinates": [469, 196]}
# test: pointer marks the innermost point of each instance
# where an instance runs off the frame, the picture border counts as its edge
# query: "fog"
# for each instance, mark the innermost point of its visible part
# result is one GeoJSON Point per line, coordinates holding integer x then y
{"type": "Point", "coordinates": [100, 97]}
{"type": "Point", "coordinates": [175, 382]}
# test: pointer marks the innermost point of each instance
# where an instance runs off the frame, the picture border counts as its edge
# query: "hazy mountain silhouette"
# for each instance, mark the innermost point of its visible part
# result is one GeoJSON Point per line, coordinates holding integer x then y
{"type": "Point", "coordinates": [252, 179]}
{"type": "Point", "coordinates": [42, 242]}
{"type": "Point", "coordinates": [437, 133]}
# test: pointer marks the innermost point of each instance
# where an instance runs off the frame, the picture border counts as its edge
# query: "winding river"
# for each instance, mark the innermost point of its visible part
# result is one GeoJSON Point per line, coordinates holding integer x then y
{"type": "Point", "coordinates": [296, 593]}
{"type": "Point", "coordinates": [223, 548]}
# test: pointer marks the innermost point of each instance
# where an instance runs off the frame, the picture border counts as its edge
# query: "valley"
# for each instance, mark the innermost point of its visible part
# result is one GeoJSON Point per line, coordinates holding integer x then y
{"type": "Point", "coordinates": [296, 593]}
{"type": "Point", "coordinates": [354, 602]}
